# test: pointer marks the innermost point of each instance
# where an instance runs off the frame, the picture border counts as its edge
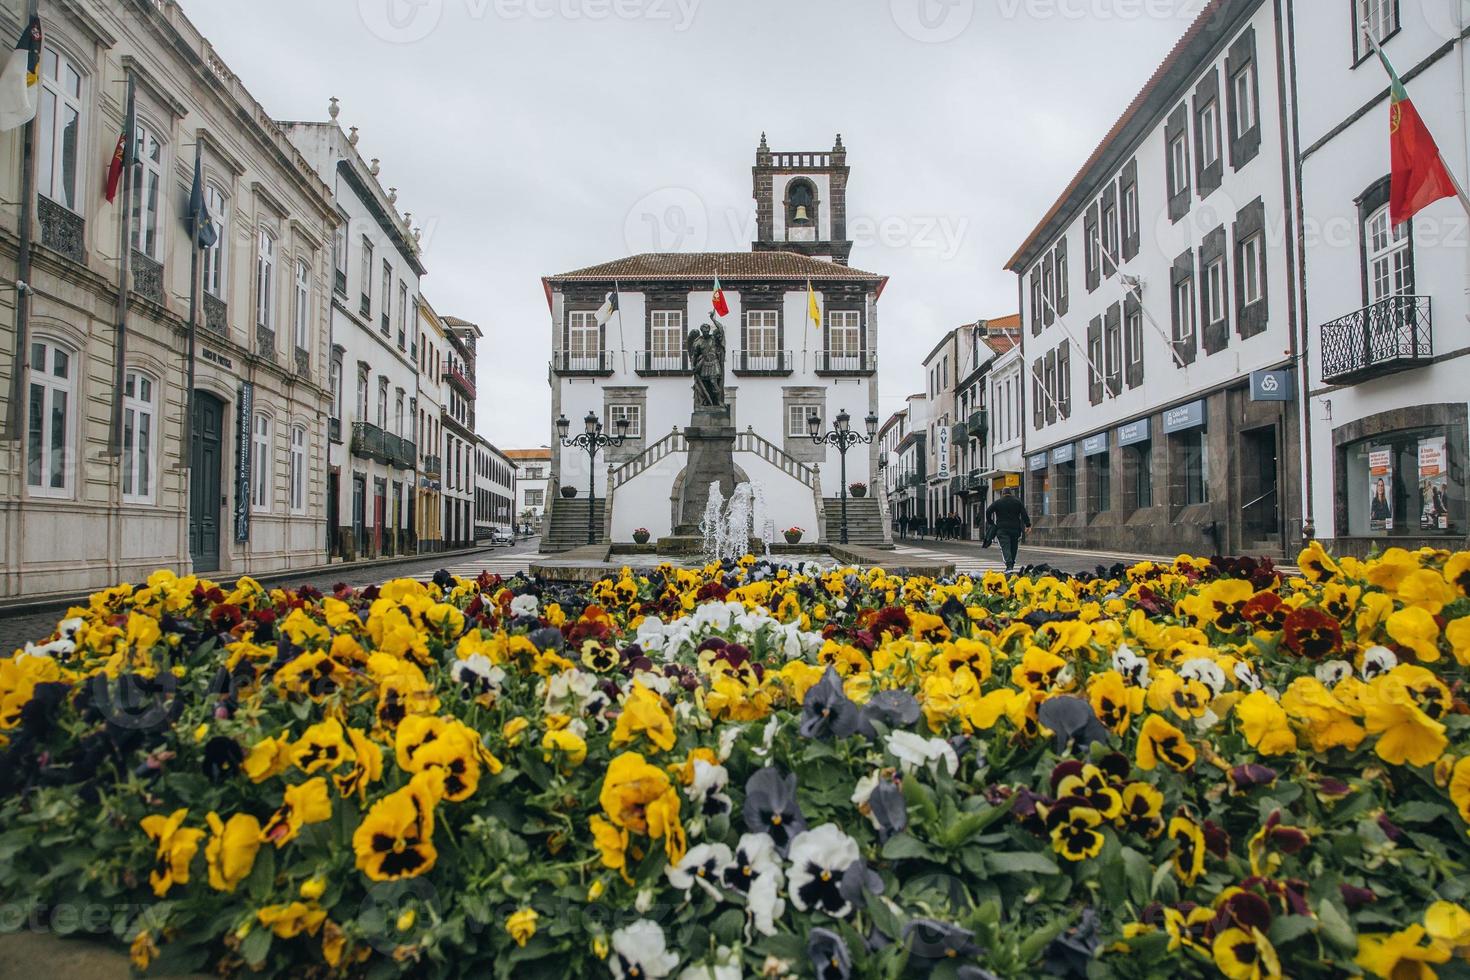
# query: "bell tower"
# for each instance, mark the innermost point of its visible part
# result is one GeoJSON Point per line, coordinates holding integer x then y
{"type": "Point", "coordinates": [801, 202]}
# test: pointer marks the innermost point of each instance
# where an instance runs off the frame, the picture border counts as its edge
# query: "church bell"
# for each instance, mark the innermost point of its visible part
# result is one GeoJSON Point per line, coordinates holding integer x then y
{"type": "Point", "coordinates": [801, 215]}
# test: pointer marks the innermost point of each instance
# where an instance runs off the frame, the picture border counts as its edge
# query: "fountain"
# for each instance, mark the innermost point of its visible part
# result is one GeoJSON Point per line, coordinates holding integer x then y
{"type": "Point", "coordinates": [732, 529]}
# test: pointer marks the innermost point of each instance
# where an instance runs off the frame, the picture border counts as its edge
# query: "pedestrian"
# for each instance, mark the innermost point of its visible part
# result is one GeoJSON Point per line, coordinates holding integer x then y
{"type": "Point", "coordinates": [1011, 522]}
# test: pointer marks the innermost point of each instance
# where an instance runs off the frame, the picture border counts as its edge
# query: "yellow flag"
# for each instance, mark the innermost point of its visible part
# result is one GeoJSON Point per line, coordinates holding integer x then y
{"type": "Point", "coordinates": [811, 305]}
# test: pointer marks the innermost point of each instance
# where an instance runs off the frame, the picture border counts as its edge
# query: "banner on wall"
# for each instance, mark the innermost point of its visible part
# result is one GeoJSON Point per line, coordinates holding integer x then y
{"type": "Point", "coordinates": [1380, 489]}
{"type": "Point", "coordinates": [1434, 484]}
{"type": "Point", "coordinates": [244, 412]}
{"type": "Point", "coordinates": [942, 447]}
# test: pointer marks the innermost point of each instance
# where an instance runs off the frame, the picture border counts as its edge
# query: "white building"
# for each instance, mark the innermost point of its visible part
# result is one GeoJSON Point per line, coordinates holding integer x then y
{"type": "Point", "coordinates": [495, 490]}
{"type": "Point", "coordinates": [909, 462]}
{"type": "Point", "coordinates": [940, 369]}
{"type": "Point", "coordinates": [780, 368]}
{"type": "Point", "coordinates": [980, 345]}
{"type": "Point", "coordinates": [533, 472]}
{"type": "Point", "coordinates": [1006, 408]}
{"type": "Point", "coordinates": [1151, 291]}
{"type": "Point", "coordinates": [375, 289]}
{"type": "Point", "coordinates": [458, 431]}
{"type": "Point", "coordinates": [244, 496]}
{"type": "Point", "coordinates": [432, 394]}
{"type": "Point", "coordinates": [1385, 308]}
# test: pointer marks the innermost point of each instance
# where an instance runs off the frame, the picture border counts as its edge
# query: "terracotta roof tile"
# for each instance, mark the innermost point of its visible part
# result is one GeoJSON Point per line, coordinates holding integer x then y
{"type": "Point", "coordinates": [543, 454]}
{"type": "Point", "coordinates": [729, 266]}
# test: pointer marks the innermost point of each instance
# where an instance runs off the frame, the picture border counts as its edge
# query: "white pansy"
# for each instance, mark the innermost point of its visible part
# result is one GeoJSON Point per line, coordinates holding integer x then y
{"type": "Point", "coordinates": [729, 734]}
{"type": "Point", "coordinates": [1206, 671]}
{"type": "Point", "coordinates": [643, 901]}
{"type": "Point", "coordinates": [703, 865]}
{"type": "Point", "coordinates": [1065, 677]}
{"type": "Point", "coordinates": [640, 951]}
{"type": "Point", "coordinates": [864, 788]}
{"type": "Point", "coordinates": [478, 671]}
{"type": "Point", "coordinates": [525, 605]}
{"type": "Point", "coordinates": [714, 616]}
{"type": "Point", "coordinates": [818, 859]}
{"type": "Point", "coordinates": [913, 750]}
{"type": "Point", "coordinates": [653, 633]}
{"type": "Point", "coordinates": [764, 903]}
{"type": "Point", "coordinates": [1331, 672]}
{"type": "Point", "coordinates": [708, 785]}
{"type": "Point", "coordinates": [1245, 676]}
{"type": "Point", "coordinates": [1378, 660]}
{"type": "Point", "coordinates": [724, 966]}
{"type": "Point", "coordinates": [654, 682]}
{"type": "Point", "coordinates": [1133, 667]}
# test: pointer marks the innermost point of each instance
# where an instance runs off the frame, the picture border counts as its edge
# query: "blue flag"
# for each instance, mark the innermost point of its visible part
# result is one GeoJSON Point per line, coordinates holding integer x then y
{"type": "Point", "coordinates": [201, 225]}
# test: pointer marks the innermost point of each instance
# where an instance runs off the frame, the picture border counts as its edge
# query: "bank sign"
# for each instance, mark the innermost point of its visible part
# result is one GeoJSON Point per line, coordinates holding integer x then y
{"type": "Point", "coordinates": [1271, 386]}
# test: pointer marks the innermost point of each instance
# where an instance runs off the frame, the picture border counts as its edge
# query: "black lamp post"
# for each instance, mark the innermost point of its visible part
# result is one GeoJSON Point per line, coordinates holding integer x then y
{"type": "Point", "coordinates": [592, 440]}
{"type": "Point", "coordinates": [844, 439]}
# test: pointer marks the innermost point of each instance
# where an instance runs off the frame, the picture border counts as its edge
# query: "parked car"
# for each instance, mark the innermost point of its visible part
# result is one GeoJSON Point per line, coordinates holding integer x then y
{"type": "Point", "coordinates": [501, 536]}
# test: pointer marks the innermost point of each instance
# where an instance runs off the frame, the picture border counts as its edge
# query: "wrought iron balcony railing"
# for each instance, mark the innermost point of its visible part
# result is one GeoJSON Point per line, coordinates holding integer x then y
{"type": "Point", "coordinates": [369, 442]}
{"type": "Point", "coordinates": [978, 424]}
{"type": "Point", "coordinates": [652, 363]}
{"type": "Point", "coordinates": [432, 466]}
{"type": "Point", "coordinates": [958, 434]}
{"type": "Point", "coordinates": [757, 363]}
{"type": "Point", "coordinates": [861, 363]}
{"type": "Point", "coordinates": [1387, 336]}
{"type": "Point", "coordinates": [599, 363]}
{"type": "Point", "coordinates": [459, 378]}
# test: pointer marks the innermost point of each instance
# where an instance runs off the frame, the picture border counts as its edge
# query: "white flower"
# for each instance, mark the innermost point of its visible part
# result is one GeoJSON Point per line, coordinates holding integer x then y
{"type": "Point", "coordinates": [1378, 660]}
{"type": "Point", "coordinates": [653, 633]}
{"type": "Point", "coordinates": [1330, 672]}
{"type": "Point", "coordinates": [657, 683]}
{"type": "Point", "coordinates": [1245, 676]}
{"type": "Point", "coordinates": [1206, 671]}
{"type": "Point", "coordinates": [1065, 677]}
{"type": "Point", "coordinates": [768, 735]}
{"type": "Point", "coordinates": [639, 953]}
{"type": "Point", "coordinates": [913, 750]}
{"type": "Point", "coordinates": [525, 605]}
{"type": "Point", "coordinates": [1133, 667]}
{"type": "Point", "coordinates": [1206, 721]}
{"type": "Point", "coordinates": [724, 966]}
{"type": "Point", "coordinates": [728, 736]}
{"type": "Point", "coordinates": [818, 858]}
{"type": "Point", "coordinates": [643, 901]}
{"type": "Point", "coordinates": [478, 672]}
{"type": "Point", "coordinates": [712, 616]}
{"type": "Point", "coordinates": [764, 903]}
{"type": "Point", "coordinates": [864, 788]}
{"type": "Point", "coordinates": [703, 865]}
{"type": "Point", "coordinates": [704, 791]}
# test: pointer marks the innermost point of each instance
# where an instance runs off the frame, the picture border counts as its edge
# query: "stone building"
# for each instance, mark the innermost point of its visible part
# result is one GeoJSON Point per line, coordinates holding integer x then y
{"type": "Point", "coordinates": [780, 369]}
{"type": "Point", "coordinates": [1385, 307]}
{"type": "Point", "coordinates": [1152, 292]}
{"type": "Point", "coordinates": [376, 268]}
{"type": "Point", "coordinates": [246, 493]}
{"type": "Point", "coordinates": [980, 345]}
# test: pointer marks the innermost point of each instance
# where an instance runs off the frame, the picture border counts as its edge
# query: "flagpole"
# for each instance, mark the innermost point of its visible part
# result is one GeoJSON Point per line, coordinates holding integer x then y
{"type": "Point", "coordinates": [186, 454]}
{"type": "Point", "coordinates": [1449, 171]}
{"type": "Point", "coordinates": [130, 183]}
{"type": "Point", "coordinates": [23, 264]}
{"type": "Point", "coordinates": [622, 341]}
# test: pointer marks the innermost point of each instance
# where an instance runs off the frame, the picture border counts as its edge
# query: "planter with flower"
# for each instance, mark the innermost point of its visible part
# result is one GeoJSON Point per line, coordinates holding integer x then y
{"type": "Point", "coordinates": [641, 536]}
{"type": "Point", "coordinates": [793, 535]}
{"type": "Point", "coordinates": [569, 492]}
{"type": "Point", "coordinates": [858, 489]}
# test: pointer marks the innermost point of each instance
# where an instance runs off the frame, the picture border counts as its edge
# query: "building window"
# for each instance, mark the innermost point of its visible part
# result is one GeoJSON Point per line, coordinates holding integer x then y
{"type": "Point", "coordinates": [1243, 85]}
{"type": "Point", "coordinates": [1095, 366]}
{"type": "Point", "coordinates": [303, 306]}
{"type": "Point", "coordinates": [265, 271]}
{"type": "Point", "coordinates": [1141, 471]}
{"type": "Point", "coordinates": [1183, 309]}
{"type": "Point", "coordinates": [402, 314]}
{"type": "Point", "coordinates": [1100, 483]}
{"type": "Point", "coordinates": [137, 457]}
{"type": "Point", "coordinates": [844, 330]}
{"type": "Point", "coordinates": [1216, 309]}
{"type": "Point", "coordinates": [1063, 295]}
{"type": "Point", "coordinates": [535, 498]}
{"type": "Point", "coordinates": [147, 187]}
{"type": "Point", "coordinates": [763, 332]}
{"type": "Point", "coordinates": [1382, 18]}
{"type": "Point", "coordinates": [1390, 260]}
{"type": "Point", "coordinates": [1113, 352]}
{"type": "Point", "coordinates": [339, 259]}
{"type": "Point", "coordinates": [398, 413]}
{"type": "Point", "coordinates": [49, 454]}
{"type": "Point", "coordinates": [584, 340]}
{"type": "Point", "coordinates": [1048, 289]}
{"type": "Point", "coordinates": [216, 256]}
{"type": "Point", "coordinates": [1179, 166]}
{"type": "Point", "coordinates": [796, 420]}
{"type": "Point", "coordinates": [298, 469]}
{"type": "Point", "coordinates": [1110, 237]}
{"type": "Point", "coordinates": [1209, 134]}
{"type": "Point", "coordinates": [1036, 298]}
{"type": "Point", "coordinates": [1252, 270]}
{"type": "Point", "coordinates": [59, 130]}
{"type": "Point", "coordinates": [666, 340]}
{"type": "Point", "coordinates": [367, 276]}
{"type": "Point", "coordinates": [383, 404]}
{"type": "Point", "coordinates": [362, 394]}
{"type": "Point", "coordinates": [260, 464]}
{"type": "Point", "coordinates": [1130, 212]}
{"type": "Point", "coordinates": [1041, 502]}
{"type": "Point", "coordinates": [634, 415]}
{"type": "Point", "coordinates": [1405, 482]}
{"type": "Point", "coordinates": [387, 295]}
{"type": "Point", "coordinates": [334, 378]}
{"type": "Point", "coordinates": [1133, 343]}
{"type": "Point", "coordinates": [1066, 488]}
{"type": "Point", "coordinates": [1194, 465]}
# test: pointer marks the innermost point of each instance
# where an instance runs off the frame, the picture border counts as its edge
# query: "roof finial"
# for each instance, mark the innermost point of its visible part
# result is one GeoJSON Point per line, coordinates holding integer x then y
{"type": "Point", "coordinates": [352, 136]}
{"type": "Point", "coordinates": [838, 144]}
{"type": "Point", "coordinates": [373, 167]}
{"type": "Point", "coordinates": [763, 141]}
{"type": "Point", "coordinates": [333, 109]}
{"type": "Point", "coordinates": [392, 195]}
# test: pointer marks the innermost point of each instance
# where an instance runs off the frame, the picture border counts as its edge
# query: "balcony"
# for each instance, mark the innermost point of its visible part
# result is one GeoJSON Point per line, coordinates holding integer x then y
{"type": "Point", "coordinates": [1390, 335]}
{"type": "Point", "coordinates": [583, 365]}
{"type": "Point", "coordinates": [957, 433]}
{"type": "Point", "coordinates": [369, 442]}
{"type": "Point", "coordinates": [265, 342]}
{"type": "Point", "coordinates": [660, 364]}
{"type": "Point", "coordinates": [465, 384]}
{"type": "Point", "coordinates": [432, 467]}
{"type": "Point", "coordinates": [303, 362]}
{"type": "Point", "coordinates": [402, 453]}
{"type": "Point", "coordinates": [760, 364]}
{"type": "Point", "coordinates": [978, 424]}
{"type": "Point", "coordinates": [334, 430]}
{"type": "Point", "coordinates": [974, 481]}
{"type": "Point", "coordinates": [957, 484]}
{"type": "Point", "coordinates": [845, 365]}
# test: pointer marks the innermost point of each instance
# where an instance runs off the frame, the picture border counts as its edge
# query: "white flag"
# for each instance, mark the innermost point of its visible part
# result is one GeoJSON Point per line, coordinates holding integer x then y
{"type": "Point", "coordinates": [20, 79]}
{"type": "Point", "coordinates": [608, 308]}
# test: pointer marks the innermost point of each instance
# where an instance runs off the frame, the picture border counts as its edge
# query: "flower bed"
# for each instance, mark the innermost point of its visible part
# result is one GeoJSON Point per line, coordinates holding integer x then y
{"type": "Point", "coordinates": [1177, 770]}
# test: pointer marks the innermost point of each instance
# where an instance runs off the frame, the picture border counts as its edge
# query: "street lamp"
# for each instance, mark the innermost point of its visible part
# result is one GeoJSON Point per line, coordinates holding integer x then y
{"type": "Point", "coordinates": [844, 439]}
{"type": "Point", "coordinates": [592, 440]}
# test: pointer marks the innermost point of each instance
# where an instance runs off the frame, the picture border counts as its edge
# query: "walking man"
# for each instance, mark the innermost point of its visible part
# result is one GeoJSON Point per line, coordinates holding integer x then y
{"type": "Point", "coordinates": [1008, 517]}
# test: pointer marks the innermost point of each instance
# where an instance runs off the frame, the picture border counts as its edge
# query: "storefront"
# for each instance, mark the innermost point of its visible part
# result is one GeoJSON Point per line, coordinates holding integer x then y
{"type": "Point", "coordinates": [1040, 505]}
{"type": "Point", "coordinates": [1189, 457]}
{"type": "Point", "coordinates": [1400, 476]}
{"type": "Point", "coordinates": [1099, 473]}
{"type": "Point", "coordinates": [1136, 448]}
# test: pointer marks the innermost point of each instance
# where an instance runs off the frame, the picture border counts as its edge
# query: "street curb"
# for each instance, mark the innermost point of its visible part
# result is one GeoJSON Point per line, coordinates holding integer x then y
{"type": "Point", "coordinates": [62, 601]}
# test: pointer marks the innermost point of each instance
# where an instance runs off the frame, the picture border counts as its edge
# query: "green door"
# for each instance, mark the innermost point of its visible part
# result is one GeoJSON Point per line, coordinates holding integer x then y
{"type": "Point", "coordinates": [204, 493]}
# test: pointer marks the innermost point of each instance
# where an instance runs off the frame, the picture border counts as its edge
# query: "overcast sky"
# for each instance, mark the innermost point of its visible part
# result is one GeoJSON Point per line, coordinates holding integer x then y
{"type": "Point", "coordinates": [531, 137]}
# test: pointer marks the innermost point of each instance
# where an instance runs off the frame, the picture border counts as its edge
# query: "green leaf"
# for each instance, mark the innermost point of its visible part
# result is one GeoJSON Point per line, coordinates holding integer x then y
{"type": "Point", "coordinates": [727, 927]}
{"type": "Point", "coordinates": [901, 846]}
{"type": "Point", "coordinates": [1136, 872]}
{"type": "Point", "coordinates": [1419, 811]}
{"type": "Point", "coordinates": [257, 946]}
{"type": "Point", "coordinates": [1336, 929]}
{"type": "Point", "coordinates": [1288, 927]}
{"type": "Point", "coordinates": [1022, 862]}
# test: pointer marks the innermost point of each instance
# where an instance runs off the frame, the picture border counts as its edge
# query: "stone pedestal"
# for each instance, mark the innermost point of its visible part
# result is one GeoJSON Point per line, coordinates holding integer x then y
{"type": "Point", "coordinates": [711, 439]}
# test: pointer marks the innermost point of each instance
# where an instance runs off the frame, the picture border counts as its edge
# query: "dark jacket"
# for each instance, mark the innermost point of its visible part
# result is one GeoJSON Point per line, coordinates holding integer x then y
{"type": "Point", "coordinates": [1008, 514]}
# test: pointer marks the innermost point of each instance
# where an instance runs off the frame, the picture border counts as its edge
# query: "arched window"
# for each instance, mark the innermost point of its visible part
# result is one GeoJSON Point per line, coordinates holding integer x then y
{"type": "Point", "coordinates": [216, 256]}
{"type": "Point", "coordinates": [801, 203]}
{"type": "Point", "coordinates": [147, 192]}
{"type": "Point", "coordinates": [138, 437]}
{"type": "Point", "coordinates": [298, 469]}
{"type": "Point", "coordinates": [265, 275]}
{"type": "Point", "coordinates": [59, 130]}
{"type": "Point", "coordinates": [260, 464]}
{"type": "Point", "coordinates": [50, 443]}
{"type": "Point", "coordinates": [1390, 258]}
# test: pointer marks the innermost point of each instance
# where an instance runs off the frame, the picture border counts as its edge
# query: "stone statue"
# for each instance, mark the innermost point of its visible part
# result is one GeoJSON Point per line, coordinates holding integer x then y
{"type": "Point", "coordinates": [707, 355]}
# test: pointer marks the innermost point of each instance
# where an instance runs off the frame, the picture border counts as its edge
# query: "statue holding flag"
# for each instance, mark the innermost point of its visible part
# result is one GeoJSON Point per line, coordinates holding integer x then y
{"type": "Point", "coordinates": [707, 356]}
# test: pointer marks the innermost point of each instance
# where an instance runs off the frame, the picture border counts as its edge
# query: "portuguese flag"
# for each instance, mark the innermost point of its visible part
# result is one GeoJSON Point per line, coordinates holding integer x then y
{"type": "Point", "coordinates": [1420, 176]}
{"type": "Point", "coordinates": [721, 307]}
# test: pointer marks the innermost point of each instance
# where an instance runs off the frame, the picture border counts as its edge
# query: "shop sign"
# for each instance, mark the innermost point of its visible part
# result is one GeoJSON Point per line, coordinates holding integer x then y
{"type": "Point", "coordinates": [1038, 462]}
{"type": "Point", "coordinates": [1095, 445]}
{"type": "Point", "coordinates": [1064, 454]}
{"type": "Point", "coordinates": [1133, 432]}
{"type": "Point", "coordinates": [1273, 385]}
{"type": "Point", "coordinates": [1181, 417]}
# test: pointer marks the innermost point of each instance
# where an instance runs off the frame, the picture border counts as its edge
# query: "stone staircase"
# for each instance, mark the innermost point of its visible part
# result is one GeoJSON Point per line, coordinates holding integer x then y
{"type": "Point", "coordinates": [864, 521]}
{"type": "Point", "coordinates": [567, 527]}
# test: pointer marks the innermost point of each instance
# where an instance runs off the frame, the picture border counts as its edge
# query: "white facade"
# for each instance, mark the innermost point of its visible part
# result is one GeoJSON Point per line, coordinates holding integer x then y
{"type": "Point", "coordinates": [1400, 399]}
{"type": "Point", "coordinates": [1158, 283]}
{"type": "Point", "coordinates": [457, 415]}
{"type": "Point", "coordinates": [1006, 397]}
{"type": "Point", "coordinates": [246, 496]}
{"type": "Point", "coordinates": [533, 477]}
{"type": "Point", "coordinates": [375, 292]}
{"type": "Point", "coordinates": [432, 394]}
{"type": "Point", "coordinates": [495, 490]}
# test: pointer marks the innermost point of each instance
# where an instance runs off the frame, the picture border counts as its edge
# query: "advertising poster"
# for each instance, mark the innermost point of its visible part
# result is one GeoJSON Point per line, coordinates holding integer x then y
{"type": "Point", "coordinates": [1434, 484]}
{"type": "Point", "coordinates": [1380, 489]}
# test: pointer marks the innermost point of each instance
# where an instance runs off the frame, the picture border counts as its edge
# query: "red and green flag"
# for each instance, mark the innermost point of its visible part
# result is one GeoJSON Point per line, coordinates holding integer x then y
{"type": "Point", "coordinates": [722, 308]}
{"type": "Point", "coordinates": [1420, 176]}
